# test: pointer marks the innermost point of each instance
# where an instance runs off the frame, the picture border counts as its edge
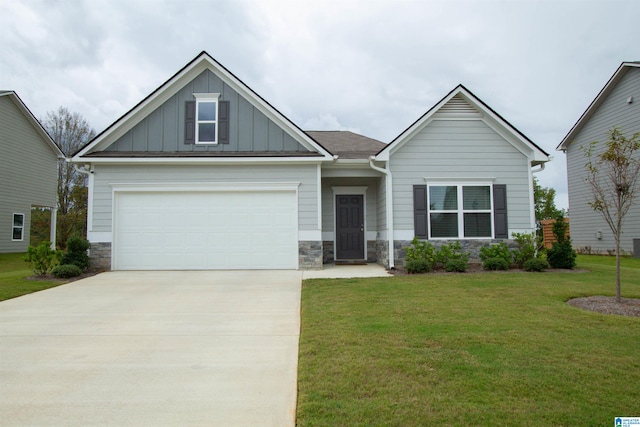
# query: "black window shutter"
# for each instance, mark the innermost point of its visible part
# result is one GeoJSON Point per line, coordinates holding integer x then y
{"type": "Point", "coordinates": [190, 122]}
{"type": "Point", "coordinates": [420, 211]}
{"type": "Point", "coordinates": [501, 225]}
{"type": "Point", "coordinates": [223, 122]}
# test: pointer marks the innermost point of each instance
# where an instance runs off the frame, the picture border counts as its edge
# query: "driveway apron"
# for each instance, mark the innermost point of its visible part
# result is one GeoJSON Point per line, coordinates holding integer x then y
{"type": "Point", "coordinates": [209, 348]}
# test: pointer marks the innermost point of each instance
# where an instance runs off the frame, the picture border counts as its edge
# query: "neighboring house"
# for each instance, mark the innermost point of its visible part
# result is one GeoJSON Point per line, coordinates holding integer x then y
{"type": "Point", "coordinates": [617, 105]}
{"type": "Point", "coordinates": [28, 172]}
{"type": "Point", "coordinates": [205, 174]}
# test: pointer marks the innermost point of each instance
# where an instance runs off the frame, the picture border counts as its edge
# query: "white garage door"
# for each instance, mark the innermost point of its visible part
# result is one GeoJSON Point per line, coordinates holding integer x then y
{"type": "Point", "coordinates": [205, 230]}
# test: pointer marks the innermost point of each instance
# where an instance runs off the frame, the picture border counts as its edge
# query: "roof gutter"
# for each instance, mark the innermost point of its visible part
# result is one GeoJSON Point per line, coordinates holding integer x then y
{"type": "Point", "coordinates": [389, 206]}
{"type": "Point", "coordinates": [541, 168]}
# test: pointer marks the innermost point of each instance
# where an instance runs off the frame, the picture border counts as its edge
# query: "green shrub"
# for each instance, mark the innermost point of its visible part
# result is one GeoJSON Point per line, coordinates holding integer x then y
{"type": "Point", "coordinates": [416, 266]}
{"type": "Point", "coordinates": [561, 253]}
{"type": "Point", "coordinates": [526, 249]}
{"type": "Point", "coordinates": [452, 257]}
{"type": "Point", "coordinates": [77, 252]}
{"type": "Point", "coordinates": [42, 258]}
{"type": "Point", "coordinates": [456, 265]}
{"type": "Point", "coordinates": [420, 252]}
{"type": "Point", "coordinates": [66, 271]}
{"type": "Point", "coordinates": [535, 264]}
{"type": "Point", "coordinates": [495, 263]}
{"type": "Point", "coordinates": [498, 250]}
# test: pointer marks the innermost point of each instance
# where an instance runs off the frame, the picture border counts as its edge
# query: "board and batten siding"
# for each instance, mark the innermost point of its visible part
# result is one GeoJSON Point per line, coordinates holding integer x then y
{"type": "Point", "coordinates": [460, 149]}
{"type": "Point", "coordinates": [28, 173]}
{"type": "Point", "coordinates": [613, 112]}
{"type": "Point", "coordinates": [163, 130]}
{"type": "Point", "coordinates": [105, 175]}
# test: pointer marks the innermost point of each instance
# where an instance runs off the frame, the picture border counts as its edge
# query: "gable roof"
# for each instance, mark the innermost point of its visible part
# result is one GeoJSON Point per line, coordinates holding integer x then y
{"type": "Point", "coordinates": [347, 145]}
{"type": "Point", "coordinates": [202, 62]}
{"type": "Point", "coordinates": [34, 122]}
{"type": "Point", "coordinates": [456, 103]}
{"type": "Point", "coordinates": [599, 99]}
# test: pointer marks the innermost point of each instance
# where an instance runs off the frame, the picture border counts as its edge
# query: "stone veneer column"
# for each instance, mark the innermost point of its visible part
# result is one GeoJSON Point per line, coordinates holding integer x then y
{"type": "Point", "coordinates": [309, 254]}
{"type": "Point", "coordinates": [100, 255]}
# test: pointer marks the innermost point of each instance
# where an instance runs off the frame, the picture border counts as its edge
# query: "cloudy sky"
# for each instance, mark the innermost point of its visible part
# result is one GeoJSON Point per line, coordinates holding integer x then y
{"type": "Point", "coordinates": [368, 66]}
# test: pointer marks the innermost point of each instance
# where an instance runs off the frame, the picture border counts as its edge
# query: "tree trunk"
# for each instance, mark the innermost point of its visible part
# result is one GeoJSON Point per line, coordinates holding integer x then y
{"type": "Point", "coordinates": [617, 236]}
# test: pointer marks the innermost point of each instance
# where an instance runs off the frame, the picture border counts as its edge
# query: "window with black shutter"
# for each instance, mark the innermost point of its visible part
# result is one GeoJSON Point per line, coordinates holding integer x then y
{"type": "Point", "coordinates": [206, 120]}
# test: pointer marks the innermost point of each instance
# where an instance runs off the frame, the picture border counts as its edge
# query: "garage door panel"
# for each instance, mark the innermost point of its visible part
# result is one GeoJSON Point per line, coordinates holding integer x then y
{"type": "Point", "coordinates": [205, 230]}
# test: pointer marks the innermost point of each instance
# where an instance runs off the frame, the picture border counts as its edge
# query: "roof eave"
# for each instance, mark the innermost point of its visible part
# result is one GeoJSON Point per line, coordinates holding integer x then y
{"type": "Point", "coordinates": [34, 122]}
{"type": "Point", "coordinates": [597, 101]}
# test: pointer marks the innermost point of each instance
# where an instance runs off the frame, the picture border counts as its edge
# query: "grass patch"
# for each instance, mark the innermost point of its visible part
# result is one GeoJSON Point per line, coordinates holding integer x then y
{"type": "Point", "coordinates": [13, 278]}
{"type": "Point", "coordinates": [472, 349]}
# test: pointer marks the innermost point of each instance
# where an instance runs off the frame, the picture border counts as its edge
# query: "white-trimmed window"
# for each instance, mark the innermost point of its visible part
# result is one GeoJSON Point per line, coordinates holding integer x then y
{"type": "Point", "coordinates": [207, 118]}
{"type": "Point", "coordinates": [460, 211]}
{"type": "Point", "coordinates": [17, 229]}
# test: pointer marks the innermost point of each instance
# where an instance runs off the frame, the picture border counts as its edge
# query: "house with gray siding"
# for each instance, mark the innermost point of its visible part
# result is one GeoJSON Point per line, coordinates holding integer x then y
{"type": "Point", "coordinates": [616, 106]}
{"type": "Point", "coordinates": [206, 174]}
{"type": "Point", "coordinates": [28, 172]}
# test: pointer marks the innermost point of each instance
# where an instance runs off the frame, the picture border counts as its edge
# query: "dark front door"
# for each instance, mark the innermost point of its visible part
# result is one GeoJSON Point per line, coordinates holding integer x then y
{"type": "Point", "coordinates": [349, 227]}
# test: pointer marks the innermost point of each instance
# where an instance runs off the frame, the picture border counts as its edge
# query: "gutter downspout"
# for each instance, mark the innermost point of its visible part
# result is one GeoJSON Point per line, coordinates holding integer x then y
{"type": "Point", "coordinates": [389, 203]}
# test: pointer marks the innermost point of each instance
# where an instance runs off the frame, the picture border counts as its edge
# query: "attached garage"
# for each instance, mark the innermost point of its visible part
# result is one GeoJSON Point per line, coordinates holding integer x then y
{"type": "Point", "coordinates": [233, 228]}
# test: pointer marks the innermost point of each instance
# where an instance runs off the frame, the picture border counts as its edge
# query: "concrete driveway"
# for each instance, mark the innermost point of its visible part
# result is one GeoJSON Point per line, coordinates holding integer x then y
{"type": "Point", "coordinates": [214, 348]}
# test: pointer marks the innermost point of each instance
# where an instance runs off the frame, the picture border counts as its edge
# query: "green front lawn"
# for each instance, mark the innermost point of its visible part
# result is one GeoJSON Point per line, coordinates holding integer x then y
{"type": "Point", "coordinates": [469, 349]}
{"type": "Point", "coordinates": [13, 278]}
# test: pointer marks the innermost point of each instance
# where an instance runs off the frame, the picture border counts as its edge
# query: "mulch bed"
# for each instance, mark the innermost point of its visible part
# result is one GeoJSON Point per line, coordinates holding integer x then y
{"type": "Point", "coordinates": [608, 305]}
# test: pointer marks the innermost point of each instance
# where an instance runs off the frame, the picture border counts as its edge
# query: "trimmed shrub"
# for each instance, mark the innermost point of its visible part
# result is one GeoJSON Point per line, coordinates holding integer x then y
{"type": "Point", "coordinates": [498, 250]}
{"type": "Point", "coordinates": [535, 264]}
{"type": "Point", "coordinates": [452, 257]}
{"type": "Point", "coordinates": [561, 253]}
{"type": "Point", "coordinates": [416, 266]}
{"type": "Point", "coordinates": [66, 271]}
{"type": "Point", "coordinates": [456, 265]}
{"type": "Point", "coordinates": [495, 263]}
{"type": "Point", "coordinates": [42, 258]}
{"type": "Point", "coordinates": [77, 252]}
{"type": "Point", "coordinates": [420, 252]}
{"type": "Point", "coordinates": [526, 248]}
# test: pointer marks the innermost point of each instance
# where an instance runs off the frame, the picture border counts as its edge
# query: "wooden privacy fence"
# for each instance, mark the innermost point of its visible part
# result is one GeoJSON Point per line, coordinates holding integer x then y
{"type": "Point", "coordinates": [547, 231]}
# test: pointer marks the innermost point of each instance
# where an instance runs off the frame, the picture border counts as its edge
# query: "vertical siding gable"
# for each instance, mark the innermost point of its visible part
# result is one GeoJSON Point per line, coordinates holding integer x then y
{"type": "Point", "coordinates": [249, 129]}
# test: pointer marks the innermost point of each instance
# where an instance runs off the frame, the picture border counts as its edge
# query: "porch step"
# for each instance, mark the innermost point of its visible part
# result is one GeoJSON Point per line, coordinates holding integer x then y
{"type": "Point", "coordinates": [351, 262]}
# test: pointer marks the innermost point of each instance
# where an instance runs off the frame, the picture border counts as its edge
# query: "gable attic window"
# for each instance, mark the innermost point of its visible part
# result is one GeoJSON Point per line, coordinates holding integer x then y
{"type": "Point", "coordinates": [17, 231]}
{"type": "Point", "coordinates": [207, 118]}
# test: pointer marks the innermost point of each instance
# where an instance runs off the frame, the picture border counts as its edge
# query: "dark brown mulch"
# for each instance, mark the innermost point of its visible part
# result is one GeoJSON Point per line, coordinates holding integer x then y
{"type": "Point", "coordinates": [608, 305]}
{"type": "Point", "coordinates": [87, 273]}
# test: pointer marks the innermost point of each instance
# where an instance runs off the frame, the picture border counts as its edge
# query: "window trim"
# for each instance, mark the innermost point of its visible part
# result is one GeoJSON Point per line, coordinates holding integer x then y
{"type": "Point", "coordinates": [207, 97]}
{"type": "Point", "coordinates": [14, 227]}
{"type": "Point", "coordinates": [460, 211]}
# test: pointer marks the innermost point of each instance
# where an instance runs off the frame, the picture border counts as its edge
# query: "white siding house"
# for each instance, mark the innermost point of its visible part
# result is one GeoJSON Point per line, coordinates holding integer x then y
{"type": "Point", "coordinates": [205, 174]}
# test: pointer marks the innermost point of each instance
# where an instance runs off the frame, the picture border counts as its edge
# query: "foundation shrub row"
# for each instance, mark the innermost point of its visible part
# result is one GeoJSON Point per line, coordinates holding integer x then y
{"type": "Point", "coordinates": [423, 257]}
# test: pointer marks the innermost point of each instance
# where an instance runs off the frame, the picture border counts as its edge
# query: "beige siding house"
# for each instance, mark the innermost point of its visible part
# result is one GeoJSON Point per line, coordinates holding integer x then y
{"type": "Point", "coordinates": [28, 172]}
{"type": "Point", "coordinates": [617, 105]}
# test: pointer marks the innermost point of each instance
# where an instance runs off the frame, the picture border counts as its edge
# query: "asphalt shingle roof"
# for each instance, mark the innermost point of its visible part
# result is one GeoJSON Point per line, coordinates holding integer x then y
{"type": "Point", "coordinates": [347, 145]}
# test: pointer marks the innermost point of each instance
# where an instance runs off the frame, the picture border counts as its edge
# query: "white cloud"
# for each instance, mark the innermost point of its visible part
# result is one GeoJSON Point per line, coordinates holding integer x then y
{"type": "Point", "coordinates": [372, 66]}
